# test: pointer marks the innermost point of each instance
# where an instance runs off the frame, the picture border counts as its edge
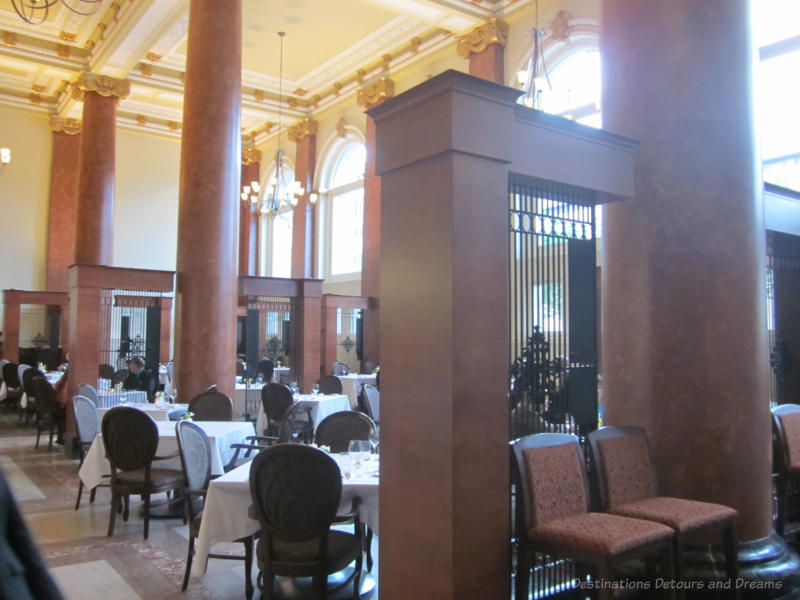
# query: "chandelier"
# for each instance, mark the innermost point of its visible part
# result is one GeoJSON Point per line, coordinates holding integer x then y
{"type": "Point", "coordinates": [36, 11]}
{"type": "Point", "coordinates": [282, 189]}
{"type": "Point", "coordinates": [5, 158]}
{"type": "Point", "coordinates": [533, 79]}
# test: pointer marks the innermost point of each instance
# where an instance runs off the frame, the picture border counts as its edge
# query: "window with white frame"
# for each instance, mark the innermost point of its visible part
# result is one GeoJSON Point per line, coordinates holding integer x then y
{"type": "Point", "coordinates": [276, 228]}
{"type": "Point", "coordinates": [343, 209]}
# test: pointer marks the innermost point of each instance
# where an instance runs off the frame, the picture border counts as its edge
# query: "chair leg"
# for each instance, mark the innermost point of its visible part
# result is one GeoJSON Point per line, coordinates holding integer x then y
{"type": "Point", "coordinates": [323, 586]}
{"type": "Point", "coordinates": [523, 573]}
{"type": "Point", "coordinates": [50, 443]}
{"type": "Point", "coordinates": [146, 515]}
{"type": "Point", "coordinates": [115, 500]}
{"type": "Point", "coordinates": [357, 579]}
{"type": "Point", "coordinates": [189, 557]}
{"type": "Point", "coordinates": [126, 509]}
{"type": "Point", "coordinates": [248, 567]}
{"type": "Point", "coordinates": [92, 494]}
{"type": "Point", "coordinates": [80, 491]}
{"type": "Point", "coordinates": [368, 548]}
{"type": "Point", "coordinates": [729, 543]}
{"type": "Point", "coordinates": [38, 434]}
{"type": "Point", "coordinates": [604, 573]}
{"type": "Point", "coordinates": [780, 523]}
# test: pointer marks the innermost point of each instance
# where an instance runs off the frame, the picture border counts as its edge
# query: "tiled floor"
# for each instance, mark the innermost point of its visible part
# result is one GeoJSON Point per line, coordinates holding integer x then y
{"type": "Point", "coordinates": [86, 564]}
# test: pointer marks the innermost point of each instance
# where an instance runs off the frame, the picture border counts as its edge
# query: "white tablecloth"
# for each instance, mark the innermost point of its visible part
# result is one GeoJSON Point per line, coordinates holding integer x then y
{"type": "Point", "coordinates": [321, 405]}
{"type": "Point", "coordinates": [243, 393]}
{"type": "Point", "coordinates": [109, 398]}
{"type": "Point", "coordinates": [225, 516]}
{"type": "Point", "coordinates": [52, 378]}
{"type": "Point", "coordinates": [221, 434]}
{"type": "Point", "coordinates": [351, 386]}
{"type": "Point", "coordinates": [159, 412]}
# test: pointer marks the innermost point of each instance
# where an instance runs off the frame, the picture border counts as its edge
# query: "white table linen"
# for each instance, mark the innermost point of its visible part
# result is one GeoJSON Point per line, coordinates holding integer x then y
{"type": "Point", "coordinates": [321, 405]}
{"type": "Point", "coordinates": [225, 516]}
{"type": "Point", "coordinates": [242, 393]}
{"type": "Point", "coordinates": [158, 412]}
{"type": "Point", "coordinates": [351, 385]}
{"type": "Point", "coordinates": [221, 434]}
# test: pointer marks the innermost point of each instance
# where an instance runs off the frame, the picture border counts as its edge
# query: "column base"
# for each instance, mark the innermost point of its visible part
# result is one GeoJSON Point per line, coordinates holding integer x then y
{"type": "Point", "coordinates": [768, 568]}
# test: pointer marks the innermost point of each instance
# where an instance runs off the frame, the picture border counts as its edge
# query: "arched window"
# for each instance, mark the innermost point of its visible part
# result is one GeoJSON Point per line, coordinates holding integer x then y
{"type": "Point", "coordinates": [343, 208]}
{"type": "Point", "coordinates": [276, 224]}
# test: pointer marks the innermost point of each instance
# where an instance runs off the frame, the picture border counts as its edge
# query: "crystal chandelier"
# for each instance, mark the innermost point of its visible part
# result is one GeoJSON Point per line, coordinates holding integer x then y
{"type": "Point", "coordinates": [535, 79]}
{"type": "Point", "coordinates": [36, 11]}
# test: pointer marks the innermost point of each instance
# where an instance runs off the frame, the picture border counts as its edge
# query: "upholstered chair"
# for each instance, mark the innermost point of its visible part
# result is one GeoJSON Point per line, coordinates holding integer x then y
{"type": "Point", "coordinates": [211, 405]}
{"type": "Point", "coordinates": [87, 424]}
{"type": "Point", "coordinates": [785, 457]}
{"type": "Point", "coordinates": [330, 384]}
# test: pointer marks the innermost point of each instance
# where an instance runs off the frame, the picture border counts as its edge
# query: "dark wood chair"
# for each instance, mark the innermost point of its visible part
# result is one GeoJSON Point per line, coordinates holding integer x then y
{"type": "Point", "coordinates": [211, 405]}
{"type": "Point", "coordinates": [87, 425]}
{"type": "Point", "coordinates": [336, 430]}
{"type": "Point", "coordinates": [130, 438]}
{"type": "Point", "coordinates": [240, 369]}
{"type": "Point", "coordinates": [13, 384]}
{"type": "Point", "coordinates": [276, 399]}
{"type": "Point", "coordinates": [44, 409]}
{"type": "Point", "coordinates": [106, 371]}
{"type": "Point", "coordinates": [372, 402]}
{"type": "Point", "coordinates": [785, 458]}
{"type": "Point", "coordinates": [330, 384]}
{"type": "Point", "coordinates": [266, 369]}
{"type": "Point", "coordinates": [340, 368]}
{"type": "Point", "coordinates": [28, 374]}
{"type": "Point", "coordinates": [552, 515]}
{"type": "Point", "coordinates": [296, 537]}
{"type": "Point", "coordinates": [627, 485]}
{"type": "Point", "coordinates": [195, 451]}
{"type": "Point", "coordinates": [369, 367]}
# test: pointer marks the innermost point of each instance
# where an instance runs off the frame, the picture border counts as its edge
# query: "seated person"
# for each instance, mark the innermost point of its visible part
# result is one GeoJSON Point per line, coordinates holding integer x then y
{"type": "Point", "coordinates": [138, 378]}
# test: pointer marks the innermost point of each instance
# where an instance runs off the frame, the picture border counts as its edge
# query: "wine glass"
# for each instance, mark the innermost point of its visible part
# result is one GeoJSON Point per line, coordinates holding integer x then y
{"type": "Point", "coordinates": [359, 451]}
{"type": "Point", "coordinates": [345, 461]}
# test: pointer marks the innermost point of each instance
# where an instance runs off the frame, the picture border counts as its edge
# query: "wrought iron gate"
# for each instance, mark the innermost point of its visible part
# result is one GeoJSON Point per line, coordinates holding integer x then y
{"type": "Point", "coordinates": [130, 325]}
{"type": "Point", "coordinates": [553, 324]}
{"type": "Point", "coordinates": [272, 333]}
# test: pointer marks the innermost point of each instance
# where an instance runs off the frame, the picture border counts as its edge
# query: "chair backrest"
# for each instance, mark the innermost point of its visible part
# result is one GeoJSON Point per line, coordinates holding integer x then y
{"type": "Point", "coordinates": [373, 402]}
{"type": "Point", "coordinates": [117, 376]}
{"type": "Point", "coordinates": [296, 491]}
{"type": "Point", "coordinates": [171, 370]}
{"type": "Point", "coordinates": [786, 426]}
{"type": "Point", "coordinates": [87, 391]}
{"type": "Point", "coordinates": [276, 398]}
{"type": "Point", "coordinates": [195, 450]}
{"type": "Point", "coordinates": [3, 363]}
{"type": "Point", "coordinates": [239, 367]}
{"type": "Point", "coordinates": [10, 375]}
{"type": "Point", "coordinates": [211, 405]}
{"type": "Point", "coordinates": [623, 465]}
{"type": "Point", "coordinates": [330, 385]}
{"type": "Point", "coordinates": [551, 478]}
{"type": "Point", "coordinates": [130, 437]}
{"type": "Point", "coordinates": [370, 366]}
{"type": "Point", "coordinates": [105, 371]}
{"type": "Point", "coordinates": [45, 396]}
{"type": "Point", "coordinates": [337, 429]}
{"type": "Point", "coordinates": [28, 375]}
{"type": "Point", "coordinates": [296, 413]}
{"type": "Point", "coordinates": [265, 368]}
{"type": "Point", "coordinates": [340, 368]}
{"type": "Point", "coordinates": [87, 421]}
{"type": "Point", "coordinates": [21, 371]}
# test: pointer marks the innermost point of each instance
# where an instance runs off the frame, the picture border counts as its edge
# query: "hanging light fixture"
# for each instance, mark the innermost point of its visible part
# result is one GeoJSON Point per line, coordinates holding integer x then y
{"type": "Point", "coordinates": [279, 192]}
{"type": "Point", "coordinates": [250, 192]}
{"type": "Point", "coordinates": [535, 79]}
{"type": "Point", "coordinates": [5, 158]}
{"type": "Point", "coordinates": [36, 11]}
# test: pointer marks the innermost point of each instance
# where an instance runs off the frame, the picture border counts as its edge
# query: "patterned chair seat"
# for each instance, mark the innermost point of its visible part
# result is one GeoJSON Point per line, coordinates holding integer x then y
{"type": "Point", "coordinates": [159, 478]}
{"type": "Point", "coordinates": [678, 513]}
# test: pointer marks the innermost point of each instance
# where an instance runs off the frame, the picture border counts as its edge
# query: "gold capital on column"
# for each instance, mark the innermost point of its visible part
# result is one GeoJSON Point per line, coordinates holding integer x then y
{"type": "Point", "coordinates": [101, 84]}
{"type": "Point", "coordinates": [66, 125]}
{"type": "Point", "coordinates": [250, 156]}
{"type": "Point", "coordinates": [376, 92]}
{"type": "Point", "coordinates": [303, 129]}
{"type": "Point", "coordinates": [493, 31]}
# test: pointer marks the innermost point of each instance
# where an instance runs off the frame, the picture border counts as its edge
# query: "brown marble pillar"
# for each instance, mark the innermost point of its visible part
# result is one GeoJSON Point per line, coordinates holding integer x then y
{"type": "Point", "coordinates": [444, 308]}
{"type": "Point", "coordinates": [63, 211]}
{"type": "Point", "coordinates": [95, 220]}
{"type": "Point", "coordinates": [371, 255]}
{"type": "Point", "coordinates": [309, 334]}
{"type": "Point", "coordinates": [485, 48]}
{"type": "Point", "coordinates": [11, 325]}
{"type": "Point", "coordinates": [166, 329]}
{"type": "Point", "coordinates": [205, 315]}
{"type": "Point", "coordinates": [684, 332]}
{"type": "Point", "coordinates": [248, 222]}
{"type": "Point", "coordinates": [305, 136]}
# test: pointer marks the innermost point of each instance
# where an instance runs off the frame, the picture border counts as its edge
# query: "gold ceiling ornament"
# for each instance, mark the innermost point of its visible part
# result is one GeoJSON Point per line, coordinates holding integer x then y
{"type": "Point", "coordinates": [385, 60]}
{"type": "Point", "coordinates": [258, 95]}
{"type": "Point", "coordinates": [173, 125]}
{"type": "Point", "coordinates": [250, 155]}
{"type": "Point", "coordinates": [39, 88]}
{"type": "Point", "coordinates": [375, 92]}
{"type": "Point", "coordinates": [292, 102]}
{"type": "Point", "coordinates": [183, 78]}
{"type": "Point", "coordinates": [145, 69]}
{"type": "Point", "coordinates": [88, 45]}
{"type": "Point", "coordinates": [300, 92]}
{"type": "Point", "coordinates": [62, 50]}
{"type": "Point", "coordinates": [141, 120]}
{"type": "Point", "coordinates": [65, 125]}
{"type": "Point", "coordinates": [341, 127]}
{"type": "Point", "coordinates": [560, 29]}
{"type": "Point", "coordinates": [152, 57]}
{"type": "Point", "coordinates": [102, 84]}
{"type": "Point", "coordinates": [35, 99]}
{"type": "Point", "coordinates": [360, 75]}
{"type": "Point", "coordinates": [302, 130]}
{"type": "Point", "coordinates": [102, 28]}
{"type": "Point", "coordinates": [337, 88]}
{"type": "Point", "coordinates": [315, 100]}
{"type": "Point", "coordinates": [116, 6]}
{"type": "Point", "coordinates": [415, 42]}
{"type": "Point", "coordinates": [67, 36]}
{"type": "Point", "coordinates": [445, 32]}
{"type": "Point", "coordinates": [268, 126]}
{"type": "Point", "coordinates": [9, 38]}
{"type": "Point", "coordinates": [493, 31]}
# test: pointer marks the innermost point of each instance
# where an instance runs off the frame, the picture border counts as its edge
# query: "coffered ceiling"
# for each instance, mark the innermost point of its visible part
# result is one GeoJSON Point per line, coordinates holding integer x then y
{"type": "Point", "coordinates": [331, 48]}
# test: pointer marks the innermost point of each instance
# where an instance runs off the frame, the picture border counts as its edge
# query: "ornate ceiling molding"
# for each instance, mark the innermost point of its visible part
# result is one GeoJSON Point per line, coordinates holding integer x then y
{"type": "Point", "coordinates": [302, 130]}
{"type": "Point", "coordinates": [65, 125]}
{"type": "Point", "coordinates": [101, 84]}
{"type": "Point", "coordinates": [494, 31]}
{"type": "Point", "coordinates": [374, 93]}
{"type": "Point", "coordinates": [250, 156]}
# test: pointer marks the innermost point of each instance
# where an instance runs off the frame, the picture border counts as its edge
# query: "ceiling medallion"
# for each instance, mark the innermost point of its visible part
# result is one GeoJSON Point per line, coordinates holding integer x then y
{"type": "Point", "coordinates": [36, 11]}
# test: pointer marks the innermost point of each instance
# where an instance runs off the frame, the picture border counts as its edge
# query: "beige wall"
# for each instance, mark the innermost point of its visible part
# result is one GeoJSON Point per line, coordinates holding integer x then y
{"type": "Point", "coordinates": [24, 197]}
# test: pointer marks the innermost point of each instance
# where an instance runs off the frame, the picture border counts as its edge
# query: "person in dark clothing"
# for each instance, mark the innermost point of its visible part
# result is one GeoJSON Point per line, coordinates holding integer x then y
{"type": "Point", "coordinates": [23, 574]}
{"type": "Point", "coordinates": [138, 378]}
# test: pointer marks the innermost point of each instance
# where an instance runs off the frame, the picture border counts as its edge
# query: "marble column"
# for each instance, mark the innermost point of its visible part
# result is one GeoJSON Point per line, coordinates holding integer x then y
{"type": "Point", "coordinates": [683, 293]}
{"type": "Point", "coordinates": [484, 47]}
{"type": "Point", "coordinates": [248, 220]}
{"type": "Point", "coordinates": [371, 255]}
{"type": "Point", "coordinates": [95, 218]}
{"type": "Point", "coordinates": [63, 211]}
{"type": "Point", "coordinates": [208, 211]}
{"type": "Point", "coordinates": [304, 134]}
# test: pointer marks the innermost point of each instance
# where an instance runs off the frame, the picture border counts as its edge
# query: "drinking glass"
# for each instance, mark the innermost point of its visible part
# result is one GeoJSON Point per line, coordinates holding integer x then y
{"type": "Point", "coordinates": [359, 451]}
{"type": "Point", "coordinates": [316, 389]}
{"type": "Point", "coordinates": [345, 462]}
{"type": "Point", "coordinates": [295, 389]}
{"type": "Point", "coordinates": [260, 378]}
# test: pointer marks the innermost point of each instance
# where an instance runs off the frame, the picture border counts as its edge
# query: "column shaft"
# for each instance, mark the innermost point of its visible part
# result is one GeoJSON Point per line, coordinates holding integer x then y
{"type": "Point", "coordinates": [371, 256]}
{"type": "Point", "coordinates": [488, 64]}
{"type": "Point", "coordinates": [303, 224]}
{"type": "Point", "coordinates": [63, 211]}
{"type": "Point", "coordinates": [248, 224]}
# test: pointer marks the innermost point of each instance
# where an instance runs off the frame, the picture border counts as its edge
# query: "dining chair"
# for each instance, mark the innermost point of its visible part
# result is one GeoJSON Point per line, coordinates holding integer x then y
{"type": "Point", "coordinates": [195, 452]}
{"type": "Point", "coordinates": [88, 391]}
{"type": "Point", "coordinates": [44, 409]}
{"type": "Point", "coordinates": [340, 368]}
{"type": "Point", "coordinates": [372, 401]}
{"type": "Point", "coordinates": [105, 371]}
{"type": "Point", "coordinates": [87, 425]}
{"type": "Point", "coordinates": [240, 369]}
{"type": "Point", "coordinates": [276, 399]}
{"type": "Point", "coordinates": [330, 384]}
{"type": "Point", "coordinates": [130, 437]}
{"type": "Point", "coordinates": [339, 428]}
{"type": "Point", "coordinates": [553, 517]}
{"type": "Point", "coordinates": [211, 405]}
{"type": "Point", "coordinates": [785, 458]}
{"type": "Point", "coordinates": [296, 537]}
{"type": "Point", "coordinates": [13, 384]}
{"type": "Point", "coordinates": [27, 375]}
{"type": "Point", "coordinates": [266, 369]}
{"type": "Point", "coordinates": [627, 486]}
{"type": "Point", "coordinates": [370, 366]}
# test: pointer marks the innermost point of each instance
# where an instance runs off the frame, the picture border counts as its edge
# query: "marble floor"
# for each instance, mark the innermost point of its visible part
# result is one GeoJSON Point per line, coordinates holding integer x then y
{"type": "Point", "coordinates": [86, 564]}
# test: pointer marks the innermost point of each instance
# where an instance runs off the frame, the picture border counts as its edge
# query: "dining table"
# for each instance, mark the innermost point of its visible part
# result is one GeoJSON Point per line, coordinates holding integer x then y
{"type": "Point", "coordinates": [321, 405]}
{"type": "Point", "coordinates": [158, 412]}
{"type": "Point", "coordinates": [221, 434]}
{"type": "Point", "coordinates": [226, 511]}
{"type": "Point", "coordinates": [351, 385]}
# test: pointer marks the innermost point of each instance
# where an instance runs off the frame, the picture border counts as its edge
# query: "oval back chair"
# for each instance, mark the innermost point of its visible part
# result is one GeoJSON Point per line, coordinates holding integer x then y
{"type": "Point", "coordinates": [275, 399]}
{"type": "Point", "coordinates": [87, 425]}
{"type": "Point", "coordinates": [330, 384]}
{"type": "Point", "coordinates": [211, 405]}
{"type": "Point", "coordinates": [340, 368]}
{"type": "Point", "coordinates": [45, 407]}
{"type": "Point", "coordinates": [87, 391]}
{"type": "Point", "coordinates": [336, 430]}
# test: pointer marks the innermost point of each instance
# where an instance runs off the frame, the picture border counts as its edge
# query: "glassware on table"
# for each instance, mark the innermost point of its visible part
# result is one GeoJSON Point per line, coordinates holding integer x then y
{"type": "Point", "coordinates": [316, 389]}
{"type": "Point", "coordinates": [359, 453]}
{"type": "Point", "coordinates": [295, 389]}
{"type": "Point", "coordinates": [345, 462]}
